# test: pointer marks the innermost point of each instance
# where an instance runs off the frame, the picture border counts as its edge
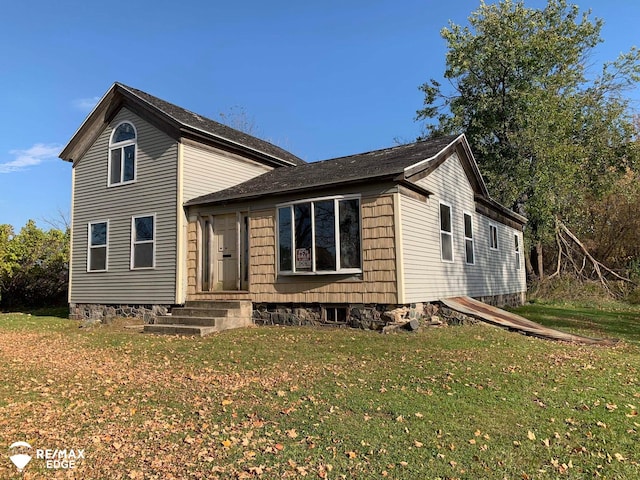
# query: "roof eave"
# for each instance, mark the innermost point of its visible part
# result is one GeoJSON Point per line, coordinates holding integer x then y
{"type": "Point", "coordinates": [189, 131]}
{"type": "Point", "coordinates": [76, 147]}
{"type": "Point", "coordinates": [254, 196]}
{"type": "Point", "coordinates": [490, 202]}
{"type": "Point", "coordinates": [186, 127]}
{"type": "Point", "coordinates": [69, 152]}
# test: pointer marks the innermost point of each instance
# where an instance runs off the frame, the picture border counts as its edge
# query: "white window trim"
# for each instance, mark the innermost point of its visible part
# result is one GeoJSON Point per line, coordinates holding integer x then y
{"type": "Point", "coordinates": [491, 247]}
{"type": "Point", "coordinates": [133, 242]}
{"type": "Point", "coordinates": [473, 243]}
{"type": "Point", "coordinates": [121, 146]}
{"type": "Point", "coordinates": [338, 271]}
{"type": "Point", "coordinates": [90, 247]}
{"type": "Point", "coordinates": [518, 248]}
{"type": "Point", "coordinates": [450, 234]}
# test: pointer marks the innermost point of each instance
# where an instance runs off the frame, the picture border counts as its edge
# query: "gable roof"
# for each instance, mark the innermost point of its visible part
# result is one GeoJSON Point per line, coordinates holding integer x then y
{"type": "Point", "coordinates": [404, 164]}
{"type": "Point", "coordinates": [382, 164]}
{"type": "Point", "coordinates": [177, 122]}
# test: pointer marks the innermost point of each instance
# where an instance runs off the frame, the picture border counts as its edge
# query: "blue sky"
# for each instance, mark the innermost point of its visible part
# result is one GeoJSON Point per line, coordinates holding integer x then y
{"type": "Point", "coordinates": [321, 79]}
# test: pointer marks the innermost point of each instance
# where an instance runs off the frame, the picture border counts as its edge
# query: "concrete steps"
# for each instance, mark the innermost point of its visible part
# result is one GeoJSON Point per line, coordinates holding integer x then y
{"type": "Point", "coordinates": [203, 317]}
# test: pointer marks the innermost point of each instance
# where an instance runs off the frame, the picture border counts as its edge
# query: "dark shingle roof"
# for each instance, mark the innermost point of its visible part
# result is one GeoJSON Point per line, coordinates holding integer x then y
{"type": "Point", "coordinates": [385, 163]}
{"type": "Point", "coordinates": [198, 122]}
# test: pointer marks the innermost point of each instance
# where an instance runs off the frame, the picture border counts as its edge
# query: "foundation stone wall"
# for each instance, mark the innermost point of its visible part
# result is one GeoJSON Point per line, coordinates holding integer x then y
{"type": "Point", "coordinates": [105, 313]}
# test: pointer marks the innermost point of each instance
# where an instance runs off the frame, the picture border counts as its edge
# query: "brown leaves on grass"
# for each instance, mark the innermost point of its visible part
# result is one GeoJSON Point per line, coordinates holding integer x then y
{"type": "Point", "coordinates": [129, 409]}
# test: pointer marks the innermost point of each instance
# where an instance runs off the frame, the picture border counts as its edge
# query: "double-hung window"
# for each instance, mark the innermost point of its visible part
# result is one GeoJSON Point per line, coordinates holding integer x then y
{"type": "Point", "coordinates": [517, 250]}
{"type": "Point", "coordinates": [446, 234]}
{"type": "Point", "coordinates": [320, 236]}
{"type": "Point", "coordinates": [493, 236]}
{"type": "Point", "coordinates": [122, 154]}
{"type": "Point", "coordinates": [468, 239]}
{"type": "Point", "coordinates": [143, 242]}
{"type": "Point", "coordinates": [98, 239]}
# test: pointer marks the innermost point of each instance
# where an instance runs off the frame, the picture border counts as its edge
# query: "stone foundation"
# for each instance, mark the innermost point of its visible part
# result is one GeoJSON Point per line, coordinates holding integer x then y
{"type": "Point", "coordinates": [365, 317]}
{"type": "Point", "coordinates": [106, 313]}
{"type": "Point", "coordinates": [505, 300]}
{"type": "Point", "coordinates": [371, 317]}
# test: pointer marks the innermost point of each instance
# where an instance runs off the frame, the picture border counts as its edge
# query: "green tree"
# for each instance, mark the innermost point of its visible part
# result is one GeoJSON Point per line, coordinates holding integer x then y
{"type": "Point", "coordinates": [547, 133]}
{"type": "Point", "coordinates": [33, 266]}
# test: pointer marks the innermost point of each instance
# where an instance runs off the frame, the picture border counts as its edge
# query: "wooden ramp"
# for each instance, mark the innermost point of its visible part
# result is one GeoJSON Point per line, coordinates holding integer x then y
{"type": "Point", "coordinates": [502, 318]}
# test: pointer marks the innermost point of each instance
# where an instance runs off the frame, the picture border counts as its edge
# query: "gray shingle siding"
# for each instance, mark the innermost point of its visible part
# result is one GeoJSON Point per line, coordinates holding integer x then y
{"type": "Point", "coordinates": [154, 192]}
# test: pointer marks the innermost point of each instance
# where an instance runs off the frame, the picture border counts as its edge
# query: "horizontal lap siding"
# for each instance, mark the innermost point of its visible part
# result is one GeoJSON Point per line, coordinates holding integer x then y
{"type": "Point", "coordinates": [207, 170]}
{"type": "Point", "coordinates": [378, 283]}
{"type": "Point", "coordinates": [426, 276]}
{"type": "Point", "coordinates": [155, 191]}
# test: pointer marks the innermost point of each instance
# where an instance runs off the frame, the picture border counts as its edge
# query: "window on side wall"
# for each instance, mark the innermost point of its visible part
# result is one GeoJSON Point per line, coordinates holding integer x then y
{"type": "Point", "coordinates": [98, 240]}
{"type": "Point", "coordinates": [446, 233]}
{"type": "Point", "coordinates": [320, 236]}
{"type": "Point", "coordinates": [143, 242]}
{"type": "Point", "coordinates": [122, 154]}
{"type": "Point", "coordinates": [517, 250]}
{"type": "Point", "coordinates": [468, 239]}
{"type": "Point", "coordinates": [493, 236]}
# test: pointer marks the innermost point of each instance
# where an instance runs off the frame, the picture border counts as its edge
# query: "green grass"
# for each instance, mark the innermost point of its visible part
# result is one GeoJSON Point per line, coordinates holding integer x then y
{"type": "Point", "coordinates": [603, 319]}
{"type": "Point", "coordinates": [274, 402]}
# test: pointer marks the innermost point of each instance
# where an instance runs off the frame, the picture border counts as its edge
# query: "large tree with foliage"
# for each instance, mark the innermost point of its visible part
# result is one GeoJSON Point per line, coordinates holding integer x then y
{"type": "Point", "coordinates": [34, 266]}
{"type": "Point", "coordinates": [548, 132]}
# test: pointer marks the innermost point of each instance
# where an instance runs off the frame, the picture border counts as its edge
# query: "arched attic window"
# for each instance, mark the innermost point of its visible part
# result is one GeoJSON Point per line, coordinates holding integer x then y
{"type": "Point", "coordinates": [122, 154]}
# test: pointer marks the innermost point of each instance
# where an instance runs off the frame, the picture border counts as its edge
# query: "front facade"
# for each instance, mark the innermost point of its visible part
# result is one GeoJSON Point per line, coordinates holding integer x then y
{"type": "Point", "coordinates": [170, 207]}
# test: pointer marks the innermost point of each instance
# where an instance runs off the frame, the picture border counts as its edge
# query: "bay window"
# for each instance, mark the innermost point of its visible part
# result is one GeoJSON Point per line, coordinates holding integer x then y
{"type": "Point", "coordinates": [319, 236]}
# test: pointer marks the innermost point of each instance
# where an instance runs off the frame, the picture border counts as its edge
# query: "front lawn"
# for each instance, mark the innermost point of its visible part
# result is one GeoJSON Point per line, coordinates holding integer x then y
{"type": "Point", "coordinates": [274, 402]}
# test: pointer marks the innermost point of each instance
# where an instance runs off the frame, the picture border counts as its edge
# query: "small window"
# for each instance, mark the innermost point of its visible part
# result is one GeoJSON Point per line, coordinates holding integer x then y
{"type": "Point", "coordinates": [97, 256]}
{"type": "Point", "coordinates": [320, 236]}
{"type": "Point", "coordinates": [122, 154]}
{"type": "Point", "coordinates": [335, 314]}
{"type": "Point", "coordinates": [446, 234]}
{"type": "Point", "coordinates": [517, 250]}
{"type": "Point", "coordinates": [468, 239]}
{"type": "Point", "coordinates": [493, 236]}
{"type": "Point", "coordinates": [143, 243]}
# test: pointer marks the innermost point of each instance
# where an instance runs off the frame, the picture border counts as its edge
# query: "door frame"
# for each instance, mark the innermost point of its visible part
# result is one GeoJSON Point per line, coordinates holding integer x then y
{"type": "Point", "coordinates": [206, 252]}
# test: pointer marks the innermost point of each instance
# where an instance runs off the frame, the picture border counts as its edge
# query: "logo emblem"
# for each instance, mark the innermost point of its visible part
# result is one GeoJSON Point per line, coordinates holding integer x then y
{"type": "Point", "coordinates": [20, 460]}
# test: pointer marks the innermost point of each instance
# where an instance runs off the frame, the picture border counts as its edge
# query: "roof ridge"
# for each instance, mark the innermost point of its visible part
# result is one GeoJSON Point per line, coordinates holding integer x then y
{"type": "Point", "coordinates": [385, 149]}
{"type": "Point", "coordinates": [141, 95]}
{"type": "Point", "coordinates": [136, 90]}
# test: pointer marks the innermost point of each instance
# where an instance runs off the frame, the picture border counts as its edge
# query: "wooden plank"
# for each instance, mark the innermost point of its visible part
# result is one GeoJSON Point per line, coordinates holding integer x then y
{"type": "Point", "coordinates": [502, 318]}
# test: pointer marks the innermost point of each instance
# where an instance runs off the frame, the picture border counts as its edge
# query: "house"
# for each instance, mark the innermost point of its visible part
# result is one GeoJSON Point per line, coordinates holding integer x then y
{"type": "Point", "coordinates": [171, 208]}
